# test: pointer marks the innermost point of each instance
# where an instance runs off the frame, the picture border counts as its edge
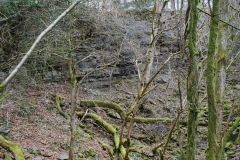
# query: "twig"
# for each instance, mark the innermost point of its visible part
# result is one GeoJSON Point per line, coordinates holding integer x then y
{"type": "Point", "coordinates": [50, 27]}
{"type": "Point", "coordinates": [229, 118]}
{"type": "Point", "coordinates": [232, 60]}
{"type": "Point", "coordinates": [218, 19]}
{"type": "Point", "coordinates": [84, 116]}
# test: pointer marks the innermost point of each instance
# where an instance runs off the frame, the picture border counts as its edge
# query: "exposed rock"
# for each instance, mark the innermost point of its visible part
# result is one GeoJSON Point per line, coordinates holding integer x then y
{"type": "Point", "coordinates": [4, 131]}
{"type": "Point", "coordinates": [63, 156]}
{"type": "Point", "coordinates": [163, 78]}
{"type": "Point", "coordinates": [37, 158]}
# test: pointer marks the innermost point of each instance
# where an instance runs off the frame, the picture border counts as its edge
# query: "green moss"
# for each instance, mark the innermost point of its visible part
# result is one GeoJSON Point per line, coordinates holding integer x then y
{"type": "Point", "coordinates": [80, 155]}
{"type": "Point", "coordinates": [192, 87]}
{"type": "Point", "coordinates": [13, 147]}
{"type": "Point", "coordinates": [107, 147]}
{"type": "Point", "coordinates": [4, 97]}
{"type": "Point", "coordinates": [211, 153]}
{"type": "Point", "coordinates": [89, 152]}
{"type": "Point", "coordinates": [2, 86]}
{"type": "Point", "coordinates": [228, 145]}
{"type": "Point", "coordinates": [238, 139]}
{"type": "Point", "coordinates": [109, 128]}
{"type": "Point", "coordinates": [237, 86]}
{"type": "Point", "coordinates": [227, 107]}
{"type": "Point", "coordinates": [54, 147]}
{"type": "Point", "coordinates": [7, 157]}
{"type": "Point", "coordinates": [104, 104]}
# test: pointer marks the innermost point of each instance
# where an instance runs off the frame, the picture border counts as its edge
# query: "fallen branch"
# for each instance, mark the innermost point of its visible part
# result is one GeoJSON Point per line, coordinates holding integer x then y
{"type": "Point", "coordinates": [104, 104]}
{"type": "Point", "coordinates": [120, 111]}
{"type": "Point", "coordinates": [12, 147]}
{"type": "Point", "coordinates": [107, 147]}
{"type": "Point", "coordinates": [109, 128]}
{"type": "Point", "coordinates": [58, 100]}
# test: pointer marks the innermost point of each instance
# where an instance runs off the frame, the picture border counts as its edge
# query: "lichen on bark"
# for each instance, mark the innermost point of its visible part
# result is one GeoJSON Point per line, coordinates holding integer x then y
{"type": "Point", "coordinates": [211, 153]}
{"type": "Point", "coordinates": [192, 88]}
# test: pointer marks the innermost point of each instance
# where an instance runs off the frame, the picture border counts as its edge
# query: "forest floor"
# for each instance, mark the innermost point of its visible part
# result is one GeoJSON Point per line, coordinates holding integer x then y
{"type": "Point", "coordinates": [32, 120]}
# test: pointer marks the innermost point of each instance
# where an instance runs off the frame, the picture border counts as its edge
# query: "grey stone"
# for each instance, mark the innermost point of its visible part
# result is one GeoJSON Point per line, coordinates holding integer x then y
{"type": "Point", "coordinates": [63, 156]}
{"type": "Point", "coordinates": [164, 78]}
{"type": "Point", "coordinates": [164, 49]}
{"type": "Point", "coordinates": [37, 158]}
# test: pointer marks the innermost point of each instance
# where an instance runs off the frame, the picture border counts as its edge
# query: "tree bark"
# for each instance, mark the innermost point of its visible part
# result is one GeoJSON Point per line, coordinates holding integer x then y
{"type": "Point", "coordinates": [72, 74]}
{"type": "Point", "coordinates": [212, 149]}
{"type": "Point", "coordinates": [193, 81]}
{"type": "Point", "coordinates": [154, 31]}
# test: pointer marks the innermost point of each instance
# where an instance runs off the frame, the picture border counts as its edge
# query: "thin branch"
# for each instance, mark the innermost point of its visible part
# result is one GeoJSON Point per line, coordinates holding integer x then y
{"type": "Point", "coordinates": [218, 19]}
{"type": "Point", "coordinates": [232, 60]}
{"type": "Point", "coordinates": [229, 118]}
{"type": "Point", "coordinates": [97, 69]}
{"type": "Point", "coordinates": [81, 60]}
{"type": "Point", "coordinates": [50, 27]}
{"type": "Point", "coordinates": [83, 117]}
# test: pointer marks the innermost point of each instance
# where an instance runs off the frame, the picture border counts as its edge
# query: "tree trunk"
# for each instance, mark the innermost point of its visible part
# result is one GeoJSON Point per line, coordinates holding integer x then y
{"type": "Point", "coordinates": [173, 8]}
{"type": "Point", "coordinates": [193, 81]}
{"type": "Point", "coordinates": [178, 5]}
{"type": "Point", "coordinates": [72, 74]}
{"type": "Point", "coordinates": [212, 149]}
{"type": "Point", "coordinates": [220, 76]}
{"type": "Point", "coordinates": [154, 31]}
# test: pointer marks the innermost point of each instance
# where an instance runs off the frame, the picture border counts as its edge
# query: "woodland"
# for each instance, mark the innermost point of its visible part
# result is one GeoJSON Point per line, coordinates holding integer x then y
{"type": "Point", "coordinates": [119, 79]}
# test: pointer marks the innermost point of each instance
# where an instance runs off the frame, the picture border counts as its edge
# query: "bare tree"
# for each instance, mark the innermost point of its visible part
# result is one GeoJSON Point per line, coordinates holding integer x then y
{"type": "Point", "coordinates": [50, 27]}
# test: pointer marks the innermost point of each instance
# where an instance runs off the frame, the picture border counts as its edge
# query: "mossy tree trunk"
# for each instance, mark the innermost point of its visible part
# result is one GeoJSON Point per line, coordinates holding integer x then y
{"type": "Point", "coordinates": [193, 81]}
{"type": "Point", "coordinates": [221, 75]}
{"type": "Point", "coordinates": [212, 148]}
{"type": "Point", "coordinates": [72, 74]}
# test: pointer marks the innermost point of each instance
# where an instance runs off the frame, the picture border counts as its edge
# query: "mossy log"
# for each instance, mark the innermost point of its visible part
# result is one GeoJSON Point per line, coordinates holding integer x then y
{"type": "Point", "coordinates": [107, 147]}
{"type": "Point", "coordinates": [12, 147]}
{"type": "Point", "coordinates": [109, 128]}
{"type": "Point", "coordinates": [58, 101]}
{"type": "Point", "coordinates": [120, 111]}
{"type": "Point", "coordinates": [123, 114]}
{"type": "Point", "coordinates": [104, 104]}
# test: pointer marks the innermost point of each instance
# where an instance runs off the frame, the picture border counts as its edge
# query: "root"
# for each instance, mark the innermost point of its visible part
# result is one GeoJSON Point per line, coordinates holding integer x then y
{"type": "Point", "coordinates": [12, 147]}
